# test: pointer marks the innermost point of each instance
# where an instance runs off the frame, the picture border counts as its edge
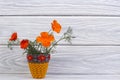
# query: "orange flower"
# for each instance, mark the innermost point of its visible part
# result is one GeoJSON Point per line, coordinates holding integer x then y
{"type": "Point", "coordinates": [24, 43]}
{"type": "Point", "coordinates": [45, 39]}
{"type": "Point", "coordinates": [13, 36]}
{"type": "Point", "coordinates": [56, 26]}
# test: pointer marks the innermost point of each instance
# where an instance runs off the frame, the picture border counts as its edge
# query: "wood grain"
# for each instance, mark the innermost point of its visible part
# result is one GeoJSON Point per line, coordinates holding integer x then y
{"type": "Point", "coordinates": [94, 53]}
{"type": "Point", "coordinates": [64, 7]}
{"type": "Point", "coordinates": [87, 30]}
{"type": "Point", "coordinates": [68, 60]}
{"type": "Point", "coordinates": [60, 77]}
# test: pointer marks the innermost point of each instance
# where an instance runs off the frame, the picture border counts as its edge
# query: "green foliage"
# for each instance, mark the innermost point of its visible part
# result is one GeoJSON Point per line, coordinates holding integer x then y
{"type": "Point", "coordinates": [37, 48]}
{"type": "Point", "coordinates": [12, 43]}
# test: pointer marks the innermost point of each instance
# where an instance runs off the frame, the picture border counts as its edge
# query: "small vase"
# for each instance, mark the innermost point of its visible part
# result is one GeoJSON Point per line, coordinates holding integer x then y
{"type": "Point", "coordinates": [38, 64]}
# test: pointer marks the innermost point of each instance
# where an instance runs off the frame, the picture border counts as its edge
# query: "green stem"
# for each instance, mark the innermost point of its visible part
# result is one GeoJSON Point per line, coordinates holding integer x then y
{"type": "Point", "coordinates": [39, 45]}
{"type": "Point", "coordinates": [46, 50]}
{"type": "Point", "coordinates": [56, 43]}
{"type": "Point", "coordinates": [49, 31]}
{"type": "Point", "coordinates": [40, 48]}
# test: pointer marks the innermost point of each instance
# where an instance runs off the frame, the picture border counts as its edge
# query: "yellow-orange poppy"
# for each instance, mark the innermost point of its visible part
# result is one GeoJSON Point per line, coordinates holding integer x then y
{"type": "Point", "coordinates": [56, 26]}
{"type": "Point", "coordinates": [45, 39]}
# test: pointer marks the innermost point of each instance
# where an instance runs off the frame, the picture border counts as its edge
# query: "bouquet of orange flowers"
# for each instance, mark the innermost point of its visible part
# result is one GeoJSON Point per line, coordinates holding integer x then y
{"type": "Point", "coordinates": [44, 43]}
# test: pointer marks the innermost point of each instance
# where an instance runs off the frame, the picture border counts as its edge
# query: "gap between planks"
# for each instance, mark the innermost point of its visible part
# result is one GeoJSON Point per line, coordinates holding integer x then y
{"type": "Point", "coordinates": [77, 45]}
{"type": "Point", "coordinates": [69, 73]}
{"type": "Point", "coordinates": [37, 15]}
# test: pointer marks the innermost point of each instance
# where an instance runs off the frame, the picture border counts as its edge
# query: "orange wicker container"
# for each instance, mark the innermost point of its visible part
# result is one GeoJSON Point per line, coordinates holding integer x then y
{"type": "Point", "coordinates": [38, 70]}
{"type": "Point", "coordinates": [38, 64]}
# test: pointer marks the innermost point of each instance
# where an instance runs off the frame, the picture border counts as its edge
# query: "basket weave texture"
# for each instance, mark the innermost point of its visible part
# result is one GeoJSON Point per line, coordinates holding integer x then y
{"type": "Point", "coordinates": [38, 70]}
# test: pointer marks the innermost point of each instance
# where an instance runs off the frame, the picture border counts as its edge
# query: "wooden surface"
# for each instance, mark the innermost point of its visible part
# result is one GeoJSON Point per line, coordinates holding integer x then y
{"type": "Point", "coordinates": [87, 30]}
{"type": "Point", "coordinates": [79, 60]}
{"type": "Point", "coordinates": [94, 54]}
{"type": "Point", "coordinates": [60, 77]}
{"type": "Point", "coordinates": [64, 7]}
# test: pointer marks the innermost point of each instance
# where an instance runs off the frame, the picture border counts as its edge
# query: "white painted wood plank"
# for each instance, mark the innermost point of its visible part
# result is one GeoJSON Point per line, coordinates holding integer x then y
{"type": "Point", "coordinates": [87, 30]}
{"type": "Point", "coordinates": [74, 60]}
{"type": "Point", "coordinates": [60, 77]}
{"type": "Point", "coordinates": [59, 7]}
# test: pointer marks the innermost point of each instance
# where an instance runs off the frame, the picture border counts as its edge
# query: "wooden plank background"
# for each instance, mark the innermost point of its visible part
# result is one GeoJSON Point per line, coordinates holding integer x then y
{"type": "Point", "coordinates": [64, 7]}
{"type": "Point", "coordinates": [94, 53]}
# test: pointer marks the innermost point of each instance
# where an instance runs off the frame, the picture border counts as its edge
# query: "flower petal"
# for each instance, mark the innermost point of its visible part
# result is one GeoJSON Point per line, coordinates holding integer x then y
{"type": "Point", "coordinates": [51, 38]}
{"type": "Point", "coordinates": [44, 34]}
{"type": "Point", "coordinates": [13, 36]}
{"type": "Point", "coordinates": [46, 44]}
{"type": "Point", "coordinates": [56, 26]}
{"type": "Point", "coordinates": [39, 39]}
{"type": "Point", "coordinates": [24, 43]}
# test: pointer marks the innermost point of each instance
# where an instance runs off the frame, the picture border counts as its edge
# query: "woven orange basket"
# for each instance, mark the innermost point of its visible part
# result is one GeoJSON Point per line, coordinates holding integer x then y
{"type": "Point", "coordinates": [38, 70]}
{"type": "Point", "coordinates": [38, 64]}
